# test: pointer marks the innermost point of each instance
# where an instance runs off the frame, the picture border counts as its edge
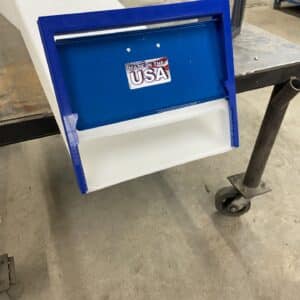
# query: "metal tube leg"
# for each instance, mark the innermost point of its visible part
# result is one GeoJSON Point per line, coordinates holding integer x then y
{"type": "Point", "coordinates": [235, 201]}
{"type": "Point", "coordinates": [279, 102]}
{"type": "Point", "coordinates": [249, 184]}
{"type": "Point", "coordinates": [277, 4]}
{"type": "Point", "coordinates": [238, 16]}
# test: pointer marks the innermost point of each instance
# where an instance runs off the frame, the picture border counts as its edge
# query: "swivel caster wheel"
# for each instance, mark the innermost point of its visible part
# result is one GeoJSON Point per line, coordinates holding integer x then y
{"type": "Point", "coordinates": [229, 202]}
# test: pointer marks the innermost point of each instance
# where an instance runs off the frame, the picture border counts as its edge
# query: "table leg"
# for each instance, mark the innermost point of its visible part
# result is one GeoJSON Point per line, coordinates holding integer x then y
{"type": "Point", "coordinates": [238, 16]}
{"type": "Point", "coordinates": [277, 4]}
{"type": "Point", "coordinates": [235, 200]}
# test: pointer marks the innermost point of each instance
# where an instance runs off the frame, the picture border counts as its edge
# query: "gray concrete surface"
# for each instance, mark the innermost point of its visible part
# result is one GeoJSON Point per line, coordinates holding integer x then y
{"type": "Point", "coordinates": [157, 237]}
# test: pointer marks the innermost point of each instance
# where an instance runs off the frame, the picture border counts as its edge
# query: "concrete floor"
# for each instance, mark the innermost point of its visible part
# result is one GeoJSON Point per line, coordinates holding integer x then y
{"type": "Point", "coordinates": [157, 237]}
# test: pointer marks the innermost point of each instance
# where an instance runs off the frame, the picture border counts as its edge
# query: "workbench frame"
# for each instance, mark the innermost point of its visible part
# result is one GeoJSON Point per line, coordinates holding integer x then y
{"type": "Point", "coordinates": [284, 78]}
{"type": "Point", "coordinates": [43, 125]}
{"type": "Point", "coordinates": [237, 18]}
{"type": "Point", "coordinates": [248, 184]}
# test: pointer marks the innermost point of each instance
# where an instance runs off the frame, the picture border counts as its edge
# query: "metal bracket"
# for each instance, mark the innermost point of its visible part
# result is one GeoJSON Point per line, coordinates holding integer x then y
{"type": "Point", "coordinates": [248, 193]}
{"type": "Point", "coordinates": [7, 272]}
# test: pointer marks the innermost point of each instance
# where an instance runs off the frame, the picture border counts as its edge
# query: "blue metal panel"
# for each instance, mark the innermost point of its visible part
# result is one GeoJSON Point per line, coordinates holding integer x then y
{"type": "Point", "coordinates": [51, 26]}
{"type": "Point", "coordinates": [94, 72]}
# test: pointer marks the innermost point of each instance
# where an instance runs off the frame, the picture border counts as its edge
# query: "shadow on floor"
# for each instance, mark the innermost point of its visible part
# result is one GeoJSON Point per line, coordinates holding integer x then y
{"type": "Point", "coordinates": [293, 11]}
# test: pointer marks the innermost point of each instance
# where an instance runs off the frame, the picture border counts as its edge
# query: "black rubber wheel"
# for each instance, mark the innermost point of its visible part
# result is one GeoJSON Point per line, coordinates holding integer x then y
{"type": "Point", "coordinates": [229, 202]}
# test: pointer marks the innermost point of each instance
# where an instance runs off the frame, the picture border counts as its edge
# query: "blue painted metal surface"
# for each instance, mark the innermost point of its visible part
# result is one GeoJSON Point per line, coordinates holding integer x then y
{"type": "Point", "coordinates": [95, 75]}
{"type": "Point", "coordinates": [223, 84]}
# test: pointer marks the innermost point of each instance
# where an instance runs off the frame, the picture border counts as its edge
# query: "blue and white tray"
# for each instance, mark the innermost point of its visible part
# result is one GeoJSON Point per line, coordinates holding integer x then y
{"type": "Point", "coordinates": [131, 98]}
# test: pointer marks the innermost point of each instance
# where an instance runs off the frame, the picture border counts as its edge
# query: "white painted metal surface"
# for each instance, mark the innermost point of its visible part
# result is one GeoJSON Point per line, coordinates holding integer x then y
{"type": "Point", "coordinates": [28, 12]}
{"type": "Point", "coordinates": [189, 136]}
{"type": "Point", "coordinates": [119, 152]}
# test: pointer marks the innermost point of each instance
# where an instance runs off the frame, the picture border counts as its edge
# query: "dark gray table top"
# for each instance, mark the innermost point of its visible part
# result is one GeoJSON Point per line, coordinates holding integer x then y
{"type": "Point", "coordinates": [257, 50]}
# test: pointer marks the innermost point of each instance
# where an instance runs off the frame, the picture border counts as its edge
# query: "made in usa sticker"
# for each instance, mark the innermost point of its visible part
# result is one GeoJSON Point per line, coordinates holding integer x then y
{"type": "Point", "coordinates": [148, 72]}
